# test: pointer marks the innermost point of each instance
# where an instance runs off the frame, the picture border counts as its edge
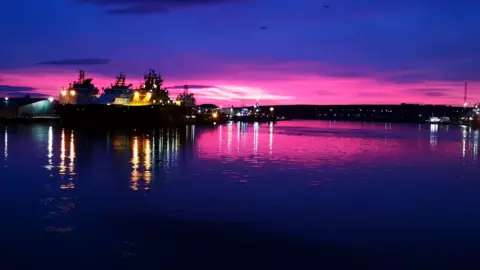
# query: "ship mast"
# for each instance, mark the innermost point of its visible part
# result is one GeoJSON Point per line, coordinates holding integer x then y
{"type": "Point", "coordinates": [465, 96]}
{"type": "Point", "coordinates": [81, 77]}
{"type": "Point", "coordinates": [120, 82]}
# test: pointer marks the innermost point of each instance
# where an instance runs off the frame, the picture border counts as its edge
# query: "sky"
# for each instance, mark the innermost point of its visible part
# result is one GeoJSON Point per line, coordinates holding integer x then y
{"type": "Point", "coordinates": [233, 52]}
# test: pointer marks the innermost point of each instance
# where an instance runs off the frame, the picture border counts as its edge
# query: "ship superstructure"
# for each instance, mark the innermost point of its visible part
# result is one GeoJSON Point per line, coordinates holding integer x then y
{"type": "Point", "coordinates": [82, 91]}
{"type": "Point", "coordinates": [186, 99]}
{"type": "Point", "coordinates": [151, 91]}
{"type": "Point", "coordinates": [119, 93]}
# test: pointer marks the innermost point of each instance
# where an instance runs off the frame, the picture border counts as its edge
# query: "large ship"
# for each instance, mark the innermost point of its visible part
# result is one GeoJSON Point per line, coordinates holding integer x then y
{"type": "Point", "coordinates": [121, 105]}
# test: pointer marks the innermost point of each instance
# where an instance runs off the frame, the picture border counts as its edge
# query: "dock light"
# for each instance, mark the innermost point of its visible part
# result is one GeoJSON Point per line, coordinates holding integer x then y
{"type": "Point", "coordinates": [64, 93]}
{"type": "Point", "coordinates": [214, 115]}
{"type": "Point", "coordinates": [6, 98]}
{"type": "Point", "coordinates": [271, 109]}
{"type": "Point", "coordinates": [72, 92]}
{"type": "Point", "coordinates": [149, 95]}
{"type": "Point", "coordinates": [50, 99]}
{"type": "Point", "coordinates": [136, 94]}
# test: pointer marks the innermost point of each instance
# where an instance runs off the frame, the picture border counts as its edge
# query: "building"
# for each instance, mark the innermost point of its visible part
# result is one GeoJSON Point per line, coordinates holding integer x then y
{"type": "Point", "coordinates": [26, 107]}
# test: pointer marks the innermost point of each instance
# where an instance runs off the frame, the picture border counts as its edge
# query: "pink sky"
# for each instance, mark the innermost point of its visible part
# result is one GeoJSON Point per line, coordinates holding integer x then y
{"type": "Point", "coordinates": [277, 84]}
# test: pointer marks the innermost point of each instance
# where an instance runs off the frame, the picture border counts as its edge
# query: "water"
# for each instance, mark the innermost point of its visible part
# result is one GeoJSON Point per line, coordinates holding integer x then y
{"type": "Point", "coordinates": [299, 194]}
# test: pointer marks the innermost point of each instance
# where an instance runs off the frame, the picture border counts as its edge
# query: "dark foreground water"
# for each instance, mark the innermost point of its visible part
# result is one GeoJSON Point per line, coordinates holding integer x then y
{"type": "Point", "coordinates": [297, 195]}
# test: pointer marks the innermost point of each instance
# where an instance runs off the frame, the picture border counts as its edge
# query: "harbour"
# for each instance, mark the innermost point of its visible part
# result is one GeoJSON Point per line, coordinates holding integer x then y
{"type": "Point", "coordinates": [135, 193]}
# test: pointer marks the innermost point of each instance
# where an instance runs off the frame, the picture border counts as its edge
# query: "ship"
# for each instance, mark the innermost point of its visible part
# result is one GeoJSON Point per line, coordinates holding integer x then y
{"type": "Point", "coordinates": [121, 105]}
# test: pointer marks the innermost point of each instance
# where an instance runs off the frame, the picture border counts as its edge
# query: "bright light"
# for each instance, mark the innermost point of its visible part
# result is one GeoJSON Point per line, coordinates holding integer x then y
{"type": "Point", "coordinates": [136, 94]}
{"type": "Point", "coordinates": [214, 115]}
{"type": "Point", "coordinates": [64, 93]}
{"type": "Point", "coordinates": [434, 119]}
{"type": "Point", "coordinates": [465, 104]}
{"type": "Point", "coordinates": [149, 95]}
{"type": "Point", "coordinates": [50, 99]}
{"type": "Point", "coordinates": [271, 109]}
{"type": "Point", "coordinates": [6, 98]}
{"type": "Point", "coordinates": [72, 92]}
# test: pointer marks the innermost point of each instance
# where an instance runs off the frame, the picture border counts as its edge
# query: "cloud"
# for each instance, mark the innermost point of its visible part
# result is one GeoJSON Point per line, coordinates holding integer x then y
{"type": "Point", "coordinates": [10, 90]}
{"type": "Point", "coordinates": [195, 86]}
{"type": "Point", "coordinates": [231, 92]}
{"type": "Point", "coordinates": [430, 92]}
{"type": "Point", "coordinates": [79, 61]}
{"type": "Point", "coordinates": [151, 6]}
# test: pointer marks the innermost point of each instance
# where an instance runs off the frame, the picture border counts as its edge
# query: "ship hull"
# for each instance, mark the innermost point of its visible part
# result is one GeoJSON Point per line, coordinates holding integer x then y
{"type": "Point", "coordinates": [102, 115]}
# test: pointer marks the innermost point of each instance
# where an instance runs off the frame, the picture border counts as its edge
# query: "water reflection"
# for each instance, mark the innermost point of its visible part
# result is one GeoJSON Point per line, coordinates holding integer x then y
{"type": "Point", "coordinates": [433, 135]}
{"type": "Point", "coordinates": [154, 150]}
{"type": "Point", "coordinates": [141, 175]}
{"type": "Point", "coordinates": [61, 197]}
{"type": "Point", "coordinates": [475, 144]}
{"type": "Point", "coordinates": [5, 151]}
{"type": "Point", "coordinates": [316, 144]}
{"type": "Point", "coordinates": [464, 141]}
{"type": "Point", "coordinates": [270, 138]}
{"type": "Point", "coordinates": [50, 148]}
{"type": "Point", "coordinates": [229, 140]}
{"type": "Point", "coordinates": [255, 138]}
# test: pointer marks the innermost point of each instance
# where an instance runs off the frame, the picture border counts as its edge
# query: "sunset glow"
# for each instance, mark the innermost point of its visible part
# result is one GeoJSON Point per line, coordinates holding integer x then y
{"type": "Point", "coordinates": [294, 88]}
{"type": "Point", "coordinates": [356, 52]}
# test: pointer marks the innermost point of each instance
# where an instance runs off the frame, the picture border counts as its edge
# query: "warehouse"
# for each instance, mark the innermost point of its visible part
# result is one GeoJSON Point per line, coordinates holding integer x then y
{"type": "Point", "coordinates": [25, 107]}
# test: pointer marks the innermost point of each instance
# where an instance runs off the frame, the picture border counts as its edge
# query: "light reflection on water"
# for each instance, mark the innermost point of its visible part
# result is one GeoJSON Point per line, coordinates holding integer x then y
{"type": "Point", "coordinates": [5, 145]}
{"type": "Point", "coordinates": [326, 180]}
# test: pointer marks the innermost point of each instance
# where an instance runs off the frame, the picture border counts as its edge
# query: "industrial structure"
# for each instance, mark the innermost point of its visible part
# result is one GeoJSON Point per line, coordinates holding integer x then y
{"type": "Point", "coordinates": [25, 107]}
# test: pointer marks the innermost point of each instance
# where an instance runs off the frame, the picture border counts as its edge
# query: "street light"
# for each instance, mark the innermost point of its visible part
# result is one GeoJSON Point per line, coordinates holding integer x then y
{"type": "Point", "coordinates": [6, 98]}
{"type": "Point", "coordinates": [271, 109]}
{"type": "Point", "coordinates": [50, 99]}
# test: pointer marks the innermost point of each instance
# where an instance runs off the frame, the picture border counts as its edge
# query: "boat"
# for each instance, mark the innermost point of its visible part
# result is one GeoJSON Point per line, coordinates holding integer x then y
{"type": "Point", "coordinates": [123, 106]}
{"type": "Point", "coordinates": [186, 98]}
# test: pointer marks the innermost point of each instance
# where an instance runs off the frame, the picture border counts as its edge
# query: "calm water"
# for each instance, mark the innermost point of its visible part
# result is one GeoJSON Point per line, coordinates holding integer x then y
{"type": "Point", "coordinates": [301, 193]}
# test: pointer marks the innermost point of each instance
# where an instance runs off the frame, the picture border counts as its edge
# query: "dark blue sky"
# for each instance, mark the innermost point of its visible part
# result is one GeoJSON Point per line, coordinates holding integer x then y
{"type": "Point", "coordinates": [360, 51]}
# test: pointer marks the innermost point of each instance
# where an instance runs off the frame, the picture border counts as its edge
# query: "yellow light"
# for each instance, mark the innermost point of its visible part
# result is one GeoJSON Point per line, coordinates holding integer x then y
{"type": "Point", "coordinates": [149, 95]}
{"type": "Point", "coordinates": [64, 93]}
{"type": "Point", "coordinates": [72, 92]}
{"type": "Point", "coordinates": [214, 115]}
